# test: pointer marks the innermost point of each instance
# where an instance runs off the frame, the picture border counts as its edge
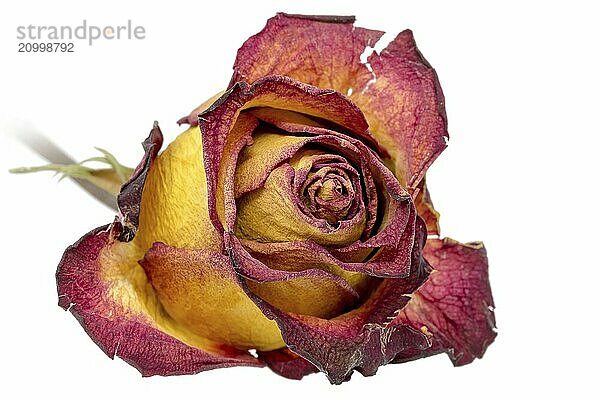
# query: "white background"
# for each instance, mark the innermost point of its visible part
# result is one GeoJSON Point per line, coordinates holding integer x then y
{"type": "Point", "coordinates": [520, 173]}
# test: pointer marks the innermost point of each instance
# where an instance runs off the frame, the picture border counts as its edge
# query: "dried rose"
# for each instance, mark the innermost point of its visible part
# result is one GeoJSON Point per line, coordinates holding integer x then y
{"type": "Point", "coordinates": [292, 217]}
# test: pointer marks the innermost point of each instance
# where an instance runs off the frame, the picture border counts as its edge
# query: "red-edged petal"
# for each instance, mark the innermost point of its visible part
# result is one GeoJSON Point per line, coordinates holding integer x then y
{"type": "Point", "coordinates": [119, 331]}
{"type": "Point", "coordinates": [400, 96]}
{"type": "Point", "coordinates": [362, 339]}
{"type": "Point", "coordinates": [455, 305]}
{"type": "Point", "coordinates": [218, 121]}
{"type": "Point", "coordinates": [294, 291]}
{"type": "Point", "coordinates": [405, 108]}
{"type": "Point", "coordinates": [393, 260]}
{"type": "Point", "coordinates": [253, 269]}
{"type": "Point", "coordinates": [320, 50]}
{"type": "Point", "coordinates": [395, 233]}
{"type": "Point", "coordinates": [426, 210]}
{"type": "Point", "coordinates": [130, 197]}
{"type": "Point", "coordinates": [200, 290]}
{"type": "Point", "coordinates": [282, 92]}
{"type": "Point", "coordinates": [287, 363]}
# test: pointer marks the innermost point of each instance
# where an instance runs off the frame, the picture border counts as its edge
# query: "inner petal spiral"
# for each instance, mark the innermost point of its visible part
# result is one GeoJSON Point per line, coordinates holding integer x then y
{"type": "Point", "coordinates": [309, 192]}
{"type": "Point", "coordinates": [329, 189]}
{"type": "Point", "coordinates": [328, 197]}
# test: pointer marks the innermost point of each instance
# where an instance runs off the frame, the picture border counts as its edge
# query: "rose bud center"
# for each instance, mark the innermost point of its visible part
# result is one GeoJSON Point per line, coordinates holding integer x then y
{"type": "Point", "coordinates": [328, 194]}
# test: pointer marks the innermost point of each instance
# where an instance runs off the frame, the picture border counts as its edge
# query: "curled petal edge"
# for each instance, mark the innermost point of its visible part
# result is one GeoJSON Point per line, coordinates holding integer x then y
{"type": "Point", "coordinates": [397, 89]}
{"type": "Point", "coordinates": [130, 196]}
{"type": "Point", "coordinates": [270, 91]}
{"type": "Point", "coordinates": [362, 339]}
{"type": "Point", "coordinates": [455, 306]}
{"type": "Point", "coordinates": [286, 363]}
{"type": "Point", "coordinates": [129, 334]}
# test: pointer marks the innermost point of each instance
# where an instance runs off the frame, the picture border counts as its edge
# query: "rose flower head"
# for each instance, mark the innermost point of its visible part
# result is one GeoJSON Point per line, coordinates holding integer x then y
{"type": "Point", "coordinates": [291, 217]}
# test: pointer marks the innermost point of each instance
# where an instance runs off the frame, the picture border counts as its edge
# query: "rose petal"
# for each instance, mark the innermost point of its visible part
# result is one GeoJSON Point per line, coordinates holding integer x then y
{"type": "Point", "coordinates": [283, 118]}
{"type": "Point", "coordinates": [405, 108]}
{"type": "Point", "coordinates": [271, 226]}
{"type": "Point", "coordinates": [354, 150]}
{"type": "Point", "coordinates": [199, 289]}
{"type": "Point", "coordinates": [321, 297]}
{"type": "Point", "coordinates": [272, 91]}
{"type": "Point", "coordinates": [455, 305]}
{"type": "Point", "coordinates": [364, 338]}
{"type": "Point", "coordinates": [130, 196]}
{"type": "Point", "coordinates": [225, 207]}
{"type": "Point", "coordinates": [271, 148]}
{"type": "Point", "coordinates": [306, 255]}
{"type": "Point", "coordinates": [329, 187]}
{"type": "Point", "coordinates": [192, 118]}
{"type": "Point", "coordinates": [257, 220]}
{"type": "Point", "coordinates": [426, 210]}
{"type": "Point", "coordinates": [324, 52]}
{"type": "Point", "coordinates": [287, 363]}
{"type": "Point", "coordinates": [310, 291]}
{"type": "Point", "coordinates": [392, 261]}
{"type": "Point", "coordinates": [272, 214]}
{"type": "Point", "coordinates": [281, 92]}
{"type": "Point", "coordinates": [370, 164]}
{"type": "Point", "coordinates": [101, 284]}
{"type": "Point", "coordinates": [174, 208]}
{"type": "Point", "coordinates": [401, 97]}
{"type": "Point", "coordinates": [275, 115]}
{"type": "Point", "coordinates": [256, 162]}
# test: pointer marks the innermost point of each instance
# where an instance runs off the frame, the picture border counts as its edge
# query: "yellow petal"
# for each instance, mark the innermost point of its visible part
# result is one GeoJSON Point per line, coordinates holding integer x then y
{"type": "Point", "coordinates": [174, 211]}
{"type": "Point", "coordinates": [128, 287]}
{"type": "Point", "coordinates": [174, 207]}
{"type": "Point", "coordinates": [271, 214]}
{"type": "Point", "coordinates": [198, 289]}
{"type": "Point", "coordinates": [316, 296]}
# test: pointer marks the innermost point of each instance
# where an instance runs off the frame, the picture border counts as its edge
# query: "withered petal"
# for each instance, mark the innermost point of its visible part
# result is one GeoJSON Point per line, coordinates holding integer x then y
{"type": "Point", "coordinates": [173, 206]}
{"type": "Point", "coordinates": [392, 261]}
{"type": "Point", "coordinates": [455, 305]}
{"type": "Point", "coordinates": [273, 214]}
{"type": "Point", "coordinates": [251, 268]}
{"type": "Point", "coordinates": [271, 157]}
{"type": "Point", "coordinates": [222, 207]}
{"type": "Point", "coordinates": [200, 290]}
{"type": "Point", "coordinates": [217, 122]}
{"type": "Point", "coordinates": [130, 197]}
{"type": "Point", "coordinates": [364, 338]}
{"type": "Point", "coordinates": [426, 210]}
{"type": "Point", "coordinates": [117, 330]}
{"type": "Point", "coordinates": [405, 108]}
{"type": "Point", "coordinates": [318, 50]}
{"type": "Point", "coordinates": [286, 363]}
{"type": "Point", "coordinates": [397, 90]}
{"type": "Point", "coordinates": [394, 231]}
{"type": "Point", "coordinates": [310, 291]}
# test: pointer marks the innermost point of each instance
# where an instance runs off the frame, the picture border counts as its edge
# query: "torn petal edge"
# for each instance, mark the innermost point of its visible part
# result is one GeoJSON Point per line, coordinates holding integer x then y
{"type": "Point", "coordinates": [397, 89]}
{"type": "Point", "coordinates": [364, 338]}
{"type": "Point", "coordinates": [130, 197]}
{"type": "Point", "coordinates": [455, 306]}
{"type": "Point", "coordinates": [131, 337]}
